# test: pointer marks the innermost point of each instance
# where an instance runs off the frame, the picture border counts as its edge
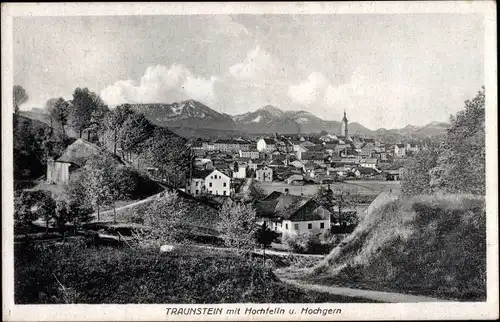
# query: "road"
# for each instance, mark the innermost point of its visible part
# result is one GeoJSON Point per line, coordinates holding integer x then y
{"type": "Point", "coordinates": [386, 297]}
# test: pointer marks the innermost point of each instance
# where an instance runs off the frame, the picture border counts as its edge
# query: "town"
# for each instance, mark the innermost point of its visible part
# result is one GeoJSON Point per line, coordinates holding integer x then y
{"type": "Point", "coordinates": [280, 165]}
{"type": "Point", "coordinates": [269, 173]}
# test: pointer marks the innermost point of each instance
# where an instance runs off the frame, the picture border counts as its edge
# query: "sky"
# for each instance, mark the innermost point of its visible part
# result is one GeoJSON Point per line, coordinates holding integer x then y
{"type": "Point", "coordinates": [384, 70]}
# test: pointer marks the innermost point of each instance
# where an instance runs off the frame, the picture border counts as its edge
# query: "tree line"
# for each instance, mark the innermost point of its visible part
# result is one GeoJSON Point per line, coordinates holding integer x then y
{"type": "Point", "coordinates": [121, 130]}
{"type": "Point", "coordinates": [458, 164]}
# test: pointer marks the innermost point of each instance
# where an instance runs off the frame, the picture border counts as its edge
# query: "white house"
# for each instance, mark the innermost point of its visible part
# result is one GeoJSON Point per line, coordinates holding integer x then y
{"type": "Point", "coordinates": [289, 214]}
{"type": "Point", "coordinates": [369, 163]}
{"type": "Point", "coordinates": [264, 174]}
{"type": "Point", "coordinates": [251, 154]}
{"type": "Point", "coordinates": [266, 145]}
{"type": "Point", "coordinates": [400, 150]}
{"type": "Point", "coordinates": [412, 147]}
{"type": "Point", "coordinates": [241, 173]}
{"type": "Point", "coordinates": [211, 182]}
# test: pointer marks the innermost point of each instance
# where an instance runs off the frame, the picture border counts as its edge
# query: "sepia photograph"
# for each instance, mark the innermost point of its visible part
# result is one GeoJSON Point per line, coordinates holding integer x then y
{"type": "Point", "coordinates": [305, 161]}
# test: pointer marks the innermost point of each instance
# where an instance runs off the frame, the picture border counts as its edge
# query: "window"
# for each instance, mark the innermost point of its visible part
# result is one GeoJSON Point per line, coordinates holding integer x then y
{"type": "Point", "coordinates": [286, 226]}
{"type": "Point", "coordinates": [225, 184]}
{"type": "Point", "coordinates": [197, 182]}
{"type": "Point", "coordinates": [210, 184]}
{"type": "Point", "coordinates": [196, 192]}
{"type": "Point", "coordinates": [296, 226]}
{"type": "Point", "coordinates": [309, 226]}
{"type": "Point", "coordinates": [210, 191]}
{"type": "Point", "coordinates": [322, 225]}
{"type": "Point", "coordinates": [224, 192]}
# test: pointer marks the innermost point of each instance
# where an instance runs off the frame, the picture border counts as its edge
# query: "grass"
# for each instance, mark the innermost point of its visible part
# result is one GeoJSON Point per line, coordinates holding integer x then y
{"type": "Point", "coordinates": [71, 273]}
{"type": "Point", "coordinates": [428, 245]}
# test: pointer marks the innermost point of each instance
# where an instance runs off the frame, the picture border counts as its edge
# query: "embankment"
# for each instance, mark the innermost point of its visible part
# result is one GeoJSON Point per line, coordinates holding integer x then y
{"type": "Point", "coordinates": [426, 245]}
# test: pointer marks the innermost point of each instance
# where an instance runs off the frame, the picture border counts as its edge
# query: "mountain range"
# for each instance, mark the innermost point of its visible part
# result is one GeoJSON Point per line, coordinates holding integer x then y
{"type": "Point", "coordinates": [197, 117]}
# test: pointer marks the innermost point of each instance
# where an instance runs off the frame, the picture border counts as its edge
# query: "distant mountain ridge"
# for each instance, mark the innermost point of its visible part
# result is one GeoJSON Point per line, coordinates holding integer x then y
{"type": "Point", "coordinates": [197, 119]}
{"type": "Point", "coordinates": [190, 113]}
{"type": "Point", "coordinates": [269, 119]}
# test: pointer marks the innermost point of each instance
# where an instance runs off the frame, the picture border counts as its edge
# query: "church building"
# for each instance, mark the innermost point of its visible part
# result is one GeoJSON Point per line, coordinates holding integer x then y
{"type": "Point", "coordinates": [343, 130]}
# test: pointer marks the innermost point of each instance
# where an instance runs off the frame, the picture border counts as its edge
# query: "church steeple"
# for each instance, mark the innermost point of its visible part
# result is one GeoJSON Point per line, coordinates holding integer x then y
{"type": "Point", "coordinates": [343, 129]}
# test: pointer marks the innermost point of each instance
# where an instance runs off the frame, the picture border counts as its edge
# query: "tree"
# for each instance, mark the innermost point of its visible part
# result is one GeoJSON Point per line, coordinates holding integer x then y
{"type": "Point", "coordinates": [135, 131]}
{"type": "Point", "coordinates": [49, 106]}
{"type": "Point", "coordinates": [78, 211]}
{"type": "Point", "coordinates": [461, 165]}
{"type": "Point", "coordinates": [23, 212]}
{"type": "Point", "coordinates": [417, 173]}
{"type": "Point", "coordinates": [164, 219]}
{"type": "Point", "coordinates": [121, 185]}
{"type": "Point", "coordinates": [265, 237]}
{"type": "Point", "coordinates": [97, 119]}
{"type": "Point", "coordinates": [44, 206]}
{"type": "Point", "coordinates": [60, 112]}
{"type": "Point", "coordinates": [457, 164]}
{"type": "Point", "coordinates": [62, 212]}
{"type": "Point", "coordinates": [169, 153]}
{"type": "Point", "coordinates": [20, 97]}
{"type": "Point", "coordinates": [97, 181]}
{"type": "Point", "coordinates": [112, 124]}
{"type": "Point", "coordinates": [83, 105]}
{"type": "Point", "coordinates": [336, 202]}
{"type": "Point", "coordinates": [237, 225]}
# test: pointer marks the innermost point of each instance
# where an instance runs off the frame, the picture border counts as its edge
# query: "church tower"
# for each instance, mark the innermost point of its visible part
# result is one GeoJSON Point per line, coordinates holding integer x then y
{"type": "Point", "coordinates": [343, 129]}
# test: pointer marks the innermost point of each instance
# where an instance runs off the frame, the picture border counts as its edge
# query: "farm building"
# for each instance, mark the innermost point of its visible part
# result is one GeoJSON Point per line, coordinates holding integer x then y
{"type": "Point", "coordinates": [74, 157]}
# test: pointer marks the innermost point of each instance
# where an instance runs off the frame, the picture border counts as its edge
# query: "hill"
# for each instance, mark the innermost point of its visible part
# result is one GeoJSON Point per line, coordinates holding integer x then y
{"type": "Point", "coordinates": [426, 245]}
{"type": "Point", "coordinates": [38, 114]}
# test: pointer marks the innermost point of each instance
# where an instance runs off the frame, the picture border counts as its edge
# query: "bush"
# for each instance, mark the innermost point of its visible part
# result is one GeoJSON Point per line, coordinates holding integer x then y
{"type": "Point", "coordinates": [306, 243]}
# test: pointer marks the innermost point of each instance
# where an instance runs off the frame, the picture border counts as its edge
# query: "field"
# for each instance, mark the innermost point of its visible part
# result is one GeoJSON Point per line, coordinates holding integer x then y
{"type": "Point", "coordinates": [72, 273]}
{"type": "Point", "coordinates": [357, 187]}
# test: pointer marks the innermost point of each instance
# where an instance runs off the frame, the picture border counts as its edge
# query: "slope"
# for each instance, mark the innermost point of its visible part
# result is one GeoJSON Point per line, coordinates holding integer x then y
{"type": "Point", "coordinates": [425, 245]}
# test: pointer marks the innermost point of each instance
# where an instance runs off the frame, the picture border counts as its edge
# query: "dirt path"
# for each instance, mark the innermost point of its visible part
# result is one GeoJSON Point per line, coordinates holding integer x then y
{"type": "Point", "coordinates": [130, 205]}
{"type": "Point", "coordinates": [377, 296]}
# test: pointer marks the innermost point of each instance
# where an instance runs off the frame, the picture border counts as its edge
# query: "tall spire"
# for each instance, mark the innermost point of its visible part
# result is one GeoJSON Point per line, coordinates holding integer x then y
{"type": "Point", "coordinates": [343, 128]}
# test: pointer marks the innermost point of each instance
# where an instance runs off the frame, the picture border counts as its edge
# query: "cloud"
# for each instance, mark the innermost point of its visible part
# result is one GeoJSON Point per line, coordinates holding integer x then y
{"type": "Point", "coordinates": [256, 64]}
{"type": "Point", "coordinates": [375, 103]}
{"type": "Point", "coordinates": [308, 91]}
{"type": "Point", "coordinates": [226, 25]}
{"type": "Point", "coordinates": [160, 84]}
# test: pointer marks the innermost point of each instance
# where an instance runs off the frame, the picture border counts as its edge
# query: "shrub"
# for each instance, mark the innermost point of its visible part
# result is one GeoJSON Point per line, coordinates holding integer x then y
{"type": "Point", "coordinates": [306, 243]}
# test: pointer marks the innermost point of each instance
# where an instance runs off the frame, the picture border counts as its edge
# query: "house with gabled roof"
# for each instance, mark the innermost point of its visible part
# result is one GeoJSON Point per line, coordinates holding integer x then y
{"type": "Point", "coordinates": [266, 145]}
{"type": "Point", "coordinates": [74, 157]}
{"type": "Point", "coordinates": [291, 214]}
{"type": "Point", "coordinates": [212, 182]}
